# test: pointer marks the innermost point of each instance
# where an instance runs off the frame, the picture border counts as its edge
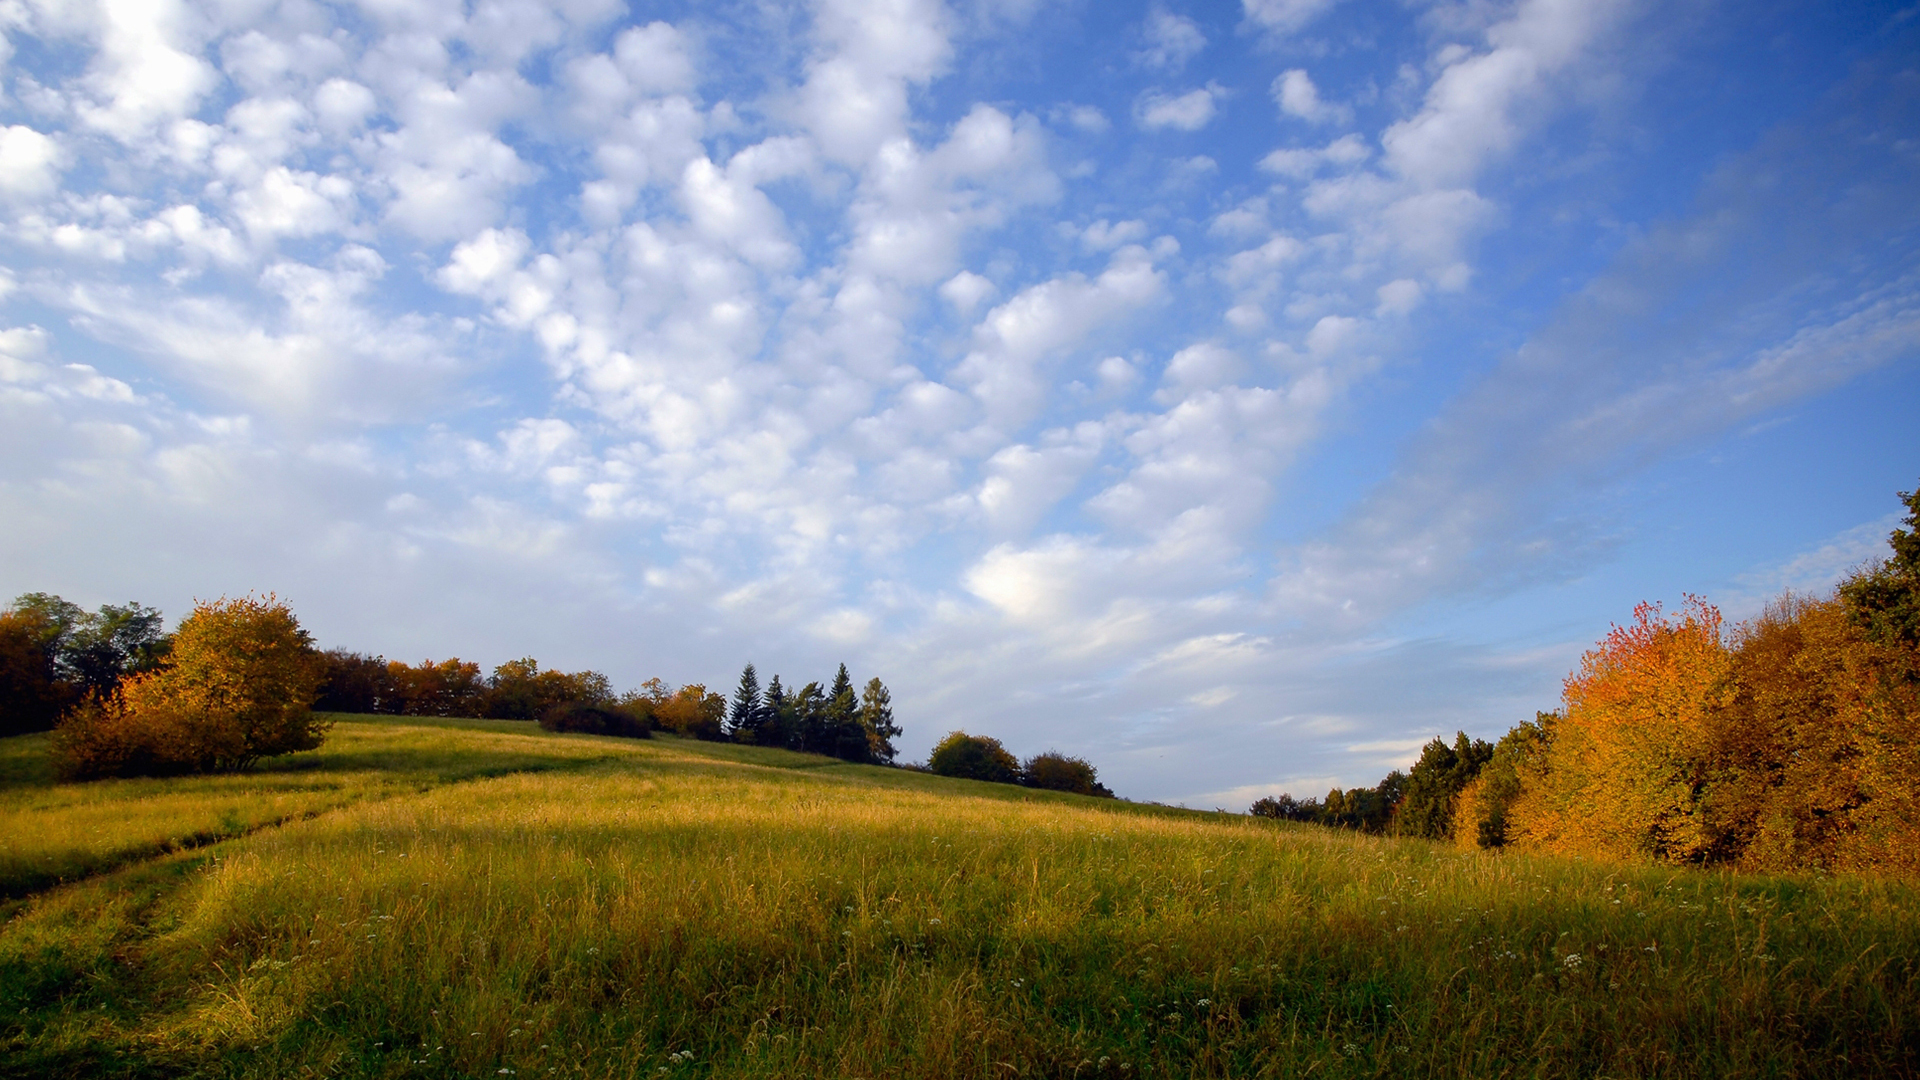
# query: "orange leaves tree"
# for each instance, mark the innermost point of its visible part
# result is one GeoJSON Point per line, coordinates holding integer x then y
{"type": "Point", "coordinates": [1624, 770]}
{"type": "Point", "coordinates": [237, 688]}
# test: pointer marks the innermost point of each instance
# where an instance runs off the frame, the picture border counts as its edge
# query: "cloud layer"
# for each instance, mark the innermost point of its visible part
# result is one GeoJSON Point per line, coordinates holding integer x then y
{"type": "Point", "coordinates": [659, 340]}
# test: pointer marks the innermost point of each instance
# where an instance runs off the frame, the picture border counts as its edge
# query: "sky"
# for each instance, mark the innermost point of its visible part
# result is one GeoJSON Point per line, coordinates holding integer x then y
{"type": "Point", "coordinates": [1236, 394]}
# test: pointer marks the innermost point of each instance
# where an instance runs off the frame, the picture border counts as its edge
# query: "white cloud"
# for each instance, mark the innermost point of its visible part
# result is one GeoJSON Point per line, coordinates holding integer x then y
{"type": "Point", "coordinates": [965, 290]}
{"type": "Point", "coordinates": [1477, 107]}
{"type": "Point", "coordinates": [1190, 111]}
{"type": "Point", "coordinates": [30, 163]}
{"type": "Point", "coordinates": [1172, 40]}
{"type": "Point", "coordinates": [1296, 95]}
{"type": "Point", "coordinates": [1285, 17]}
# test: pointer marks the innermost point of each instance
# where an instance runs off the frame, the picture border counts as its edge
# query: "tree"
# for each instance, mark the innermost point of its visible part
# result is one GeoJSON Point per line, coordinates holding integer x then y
{"type": "Point", "coordinates": [1486, 804]}
{"type": "Point", "coordinates": [236, 688]}
{"type": "Point", "coordinates": [748, 707]}
{"type": "Point", "coordinates": [1426, 810]}
{"type": "Point", "coordinates": [352, 682]}
{"type": "Point", "coordinates": [692, 710]}
{"type": "Point", "coordinates": [1054, 771]}
{"type": "Point", "coordinates": [846, 737]}
{"type": "Point", "coordinates": [1624, 774]}
{"type": "Point", "coordinates": [809, 711]}
{"type": "Point", "coordinates": [974, 757]}
{"type": "Point", "coordinates": [876, 716]}
{"type": "Point", "coordinates": [32, 696]}
{"type": "Point", "coordinates": [776, 723]}
{"type": "Point", "coordinates": [1884, 600]}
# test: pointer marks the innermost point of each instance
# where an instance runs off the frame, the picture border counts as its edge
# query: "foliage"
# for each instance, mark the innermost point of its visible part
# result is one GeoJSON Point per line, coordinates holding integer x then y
{"type": "Point", "coordinates": [53, 654]}
{"type": "Point", "coordinates": [692, 710]}
{"type": "Point", "coordinates": [1884, 600]}
{"type": "Point", "coordinates": [32, 697]}
{"type": "Point", "coordinates": [730, 911]}
{"type": "Point", "coordinates": [1426, 809]}
{"type": "Point", "coordinates": [1625, 764]}
{"type": "Point", "coordinates": [1055, 771]}
{"type": "Point", "coordinates": [974, 757]}
{"type": "Point", "coordinates": [1484, 808]}
{"type": "Point", "coordinates": [876, 719]}
{"type": "Point", "coordinates": [749, 712]}
{"type": "Point", "coordinates": [584, 719]}
{"type": "Point", "coordinates": [236, 687]}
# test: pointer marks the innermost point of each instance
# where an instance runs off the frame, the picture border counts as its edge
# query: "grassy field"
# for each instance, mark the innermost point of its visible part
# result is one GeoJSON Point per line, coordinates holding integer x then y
{"type": "Point", "coordinates": [482, 899]}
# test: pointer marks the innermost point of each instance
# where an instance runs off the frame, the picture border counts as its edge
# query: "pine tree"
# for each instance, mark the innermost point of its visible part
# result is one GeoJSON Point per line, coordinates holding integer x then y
{"type": "Point", "coordinates": [876, 717]}
{"type": "Point", "coordinates": [808, 708]}
{"type": "Point", "coordinates": [848, 735]}
{"type": "Point", "coordinates": [776, 727]}
{"type": "Point", "coordinates": [743, 723]}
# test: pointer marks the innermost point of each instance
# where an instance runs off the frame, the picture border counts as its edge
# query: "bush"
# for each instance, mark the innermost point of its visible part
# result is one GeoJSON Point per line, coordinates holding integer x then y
{"type": "Point", "coordinates": [1058, 772]}
{"type": "Point", "coordinates": [974, 757]}
{"type": "Point", "coordinates": [238, 687]}
{"type": "Point", "coordinates": [584, 719]}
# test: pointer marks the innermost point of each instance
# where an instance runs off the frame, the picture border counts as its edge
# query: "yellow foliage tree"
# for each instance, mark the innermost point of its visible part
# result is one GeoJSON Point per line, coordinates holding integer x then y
{"type": "Point", "coordinates": [1623, 772]}
{"type": "Point", "coordinates": [238, 687]}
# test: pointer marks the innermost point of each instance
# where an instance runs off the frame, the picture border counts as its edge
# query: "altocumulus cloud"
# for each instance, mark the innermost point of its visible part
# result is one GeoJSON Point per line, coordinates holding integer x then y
{"type": "Point", "coordinates": [1147, 382]}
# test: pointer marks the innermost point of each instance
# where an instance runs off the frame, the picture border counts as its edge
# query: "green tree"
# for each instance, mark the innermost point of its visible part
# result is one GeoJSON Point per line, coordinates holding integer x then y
{"type": "Point", "coordinates": [876, 717]}
{"type": "Point", "coordinates": [748, 710]}
{"type": "Point", "coordinates": [1484, 807]}
{"type": "Point", "coordinates": [810, 724]}
{"type": "Point", "coordinates": [1434, 784]}
{"type": "Point", "coordinates": [1055, 771]}
{"type": "Point", "coordinates": [974, 757]}
{"type": "Point", "coordinates": [776, 725]}
{"type": "Point", "coordinates": [1884, 600]}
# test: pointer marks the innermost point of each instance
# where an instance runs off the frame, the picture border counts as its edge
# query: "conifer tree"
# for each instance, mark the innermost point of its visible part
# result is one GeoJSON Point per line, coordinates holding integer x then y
{"type": "Point", "coordinates": [776, 728]}
{"type": "Point", "coordinates": [847, 738]}
{"type": "Point", "coordinates": [876, 717]}
{"type": "Point", "coordinates": [743, 722]}
{"type": "Point", "coordinates": [808, 709]}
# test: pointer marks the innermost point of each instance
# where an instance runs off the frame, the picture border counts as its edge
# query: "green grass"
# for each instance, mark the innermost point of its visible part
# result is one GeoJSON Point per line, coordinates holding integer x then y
{"type": "Point", "coordinates": [485, 900]}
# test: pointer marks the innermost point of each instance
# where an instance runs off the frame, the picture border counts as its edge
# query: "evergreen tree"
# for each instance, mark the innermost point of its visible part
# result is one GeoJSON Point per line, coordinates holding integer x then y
{"type": "Point", "coordinates": [808, 710]}
{"type": "Point", "coordinates": [743, 723]}
{"type": "Point", "coordinates": [848, 737]}
{"type": "Point", "coordinates": [776, 728]}
{"type": "Point", "coordinates": [876, 717]}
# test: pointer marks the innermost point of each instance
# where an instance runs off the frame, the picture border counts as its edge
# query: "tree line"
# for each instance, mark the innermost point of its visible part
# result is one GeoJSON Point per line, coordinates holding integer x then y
{"type": "Point", "coordinates": [1791, 741]}
{"type": "Point", "coordinates": [240, 679]}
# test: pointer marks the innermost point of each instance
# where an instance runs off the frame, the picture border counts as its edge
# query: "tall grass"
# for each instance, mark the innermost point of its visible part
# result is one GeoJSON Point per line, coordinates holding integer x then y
{"type": "Point", "coordinates": [677, 909]}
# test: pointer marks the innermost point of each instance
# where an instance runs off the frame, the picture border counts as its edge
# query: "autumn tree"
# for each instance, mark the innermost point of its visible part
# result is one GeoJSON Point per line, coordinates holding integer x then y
{"type": "Point", "coordinates": [1624, 772]}
{"type": "Point", "coordinates": [1484, 808]}
{"type": "Point", "coordinates": [32, 696]}
{"type": "Point", "coordinates": [236, 687]}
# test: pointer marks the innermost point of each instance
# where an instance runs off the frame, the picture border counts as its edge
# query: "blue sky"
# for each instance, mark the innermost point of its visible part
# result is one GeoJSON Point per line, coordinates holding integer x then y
{"type": "Point", "coordinates": [1235, 394]}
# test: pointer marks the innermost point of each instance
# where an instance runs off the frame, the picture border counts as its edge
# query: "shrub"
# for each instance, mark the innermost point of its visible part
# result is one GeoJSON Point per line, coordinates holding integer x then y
{"type": "Point", "coordinates": [974, 757]}
{"type": "Point", "coordinates": [1058, 772]}
{"type": "Point", "coordinates": [584, 719]}
{"type": "Point", "coordinates": [238, 687]}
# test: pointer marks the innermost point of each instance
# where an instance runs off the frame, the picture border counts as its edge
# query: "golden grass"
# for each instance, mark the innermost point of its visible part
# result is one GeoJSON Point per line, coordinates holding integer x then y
{"type": "Point", "coordinates": [676, 909]}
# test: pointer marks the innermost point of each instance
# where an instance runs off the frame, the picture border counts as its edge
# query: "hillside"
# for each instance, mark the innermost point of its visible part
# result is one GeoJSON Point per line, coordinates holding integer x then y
{"type": "Point", "coordinates": [483, 899]}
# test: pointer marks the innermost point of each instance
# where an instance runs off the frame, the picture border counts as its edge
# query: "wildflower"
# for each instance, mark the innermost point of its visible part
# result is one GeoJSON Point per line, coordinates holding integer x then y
{"type": "Point", "coordinates": [1572, 961]}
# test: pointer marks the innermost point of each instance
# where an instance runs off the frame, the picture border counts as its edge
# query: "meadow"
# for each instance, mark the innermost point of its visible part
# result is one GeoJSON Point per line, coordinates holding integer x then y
{"type": "Point", "coordinates": [483, 899]}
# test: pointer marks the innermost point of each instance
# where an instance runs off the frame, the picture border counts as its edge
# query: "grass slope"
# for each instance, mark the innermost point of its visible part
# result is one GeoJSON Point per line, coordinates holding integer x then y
{"type": "Point", "coordinates": [464, 898]}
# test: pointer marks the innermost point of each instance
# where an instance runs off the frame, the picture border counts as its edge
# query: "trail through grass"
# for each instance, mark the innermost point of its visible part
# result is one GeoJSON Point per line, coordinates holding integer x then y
{"type": "Point", "coordinates": [665, 909]}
